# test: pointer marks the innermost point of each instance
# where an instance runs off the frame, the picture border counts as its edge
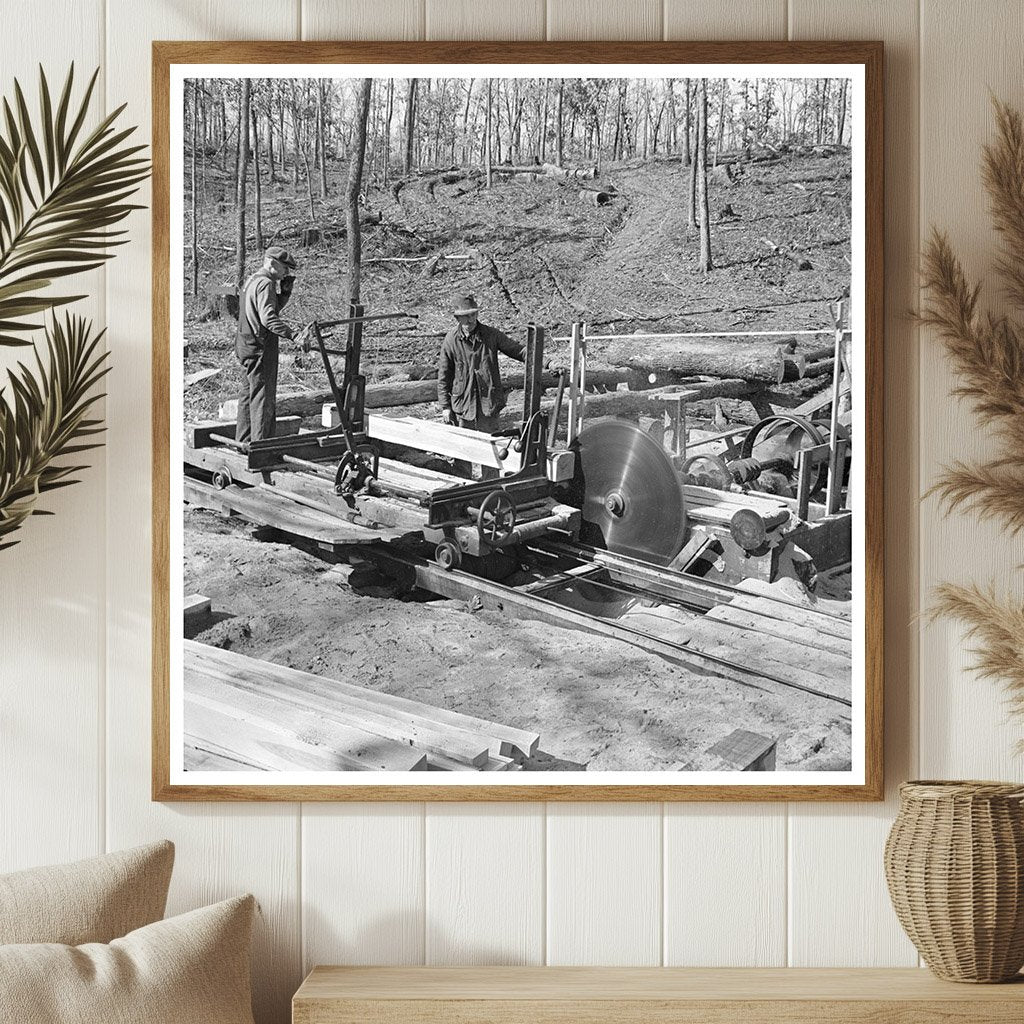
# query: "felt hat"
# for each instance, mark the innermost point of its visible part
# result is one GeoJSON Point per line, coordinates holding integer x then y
{"type": "Point", "coordinates": [464, 305]}
{"type": "Point", "coordinates": [275, 252]}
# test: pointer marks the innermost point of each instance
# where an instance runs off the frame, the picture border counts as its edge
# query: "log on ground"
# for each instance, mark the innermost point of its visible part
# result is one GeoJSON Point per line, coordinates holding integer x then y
{"type": "Point", "coordinates": [749, 361]}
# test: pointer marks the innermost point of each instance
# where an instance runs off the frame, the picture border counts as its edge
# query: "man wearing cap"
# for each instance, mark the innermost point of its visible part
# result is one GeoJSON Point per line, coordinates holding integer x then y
{"type": "Point", "coordinates": [259, 329]}
{"type": "Point", "coordinates": [469, 389]}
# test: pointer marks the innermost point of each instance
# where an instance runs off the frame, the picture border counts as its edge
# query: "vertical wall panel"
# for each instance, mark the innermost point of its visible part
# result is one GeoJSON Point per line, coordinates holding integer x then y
{"type": "Point", "coordinates": [357, 19]}
{"type": "Point", "coordinates": [725, 885]}
{"type": "Point", "coordinates": [362, 884]}
{"type": "Point", "coordinates": [52, 666]}
{"type": "Point", "coordinates": [604, 884]}
{"type": "Point", "coordinates": [604, 19]}
{"type": "Point", "coordinates": [485, 19]}
{"type": "Point", "coordinates": [726, 19]}
{"type": "Point", "coordinates": [836, 851]}
{"type": "Point", "coordinates": [485, 884]}
{"type": "Point", "coordinates": [967, 49]}
{"type": "Point", "coordinates": [222, 848]}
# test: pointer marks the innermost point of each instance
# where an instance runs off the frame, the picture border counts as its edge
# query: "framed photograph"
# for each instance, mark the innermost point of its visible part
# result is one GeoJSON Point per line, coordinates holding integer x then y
{"type": "Point", "coordinates": [517, 421]}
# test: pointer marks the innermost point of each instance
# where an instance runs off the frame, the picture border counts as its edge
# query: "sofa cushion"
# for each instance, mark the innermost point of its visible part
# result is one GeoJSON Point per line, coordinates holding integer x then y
{"type": "Point", "coordinates": [190, 969]}
{"type": "Point", "coordinates": [92, 900]}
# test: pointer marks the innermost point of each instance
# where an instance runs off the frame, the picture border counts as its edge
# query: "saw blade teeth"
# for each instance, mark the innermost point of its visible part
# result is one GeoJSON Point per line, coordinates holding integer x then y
{"type": "Point", "coordinates": [628, 492]}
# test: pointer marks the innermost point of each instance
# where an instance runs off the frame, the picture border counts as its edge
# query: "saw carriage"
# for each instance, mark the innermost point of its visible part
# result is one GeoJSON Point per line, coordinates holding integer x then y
{"type": "Point", "coordinates": [608, 486]}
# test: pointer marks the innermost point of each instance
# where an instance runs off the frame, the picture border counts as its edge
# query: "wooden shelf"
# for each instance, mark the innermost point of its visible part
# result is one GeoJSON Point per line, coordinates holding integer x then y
{"type": "Point", "coordinates": [628, 995]}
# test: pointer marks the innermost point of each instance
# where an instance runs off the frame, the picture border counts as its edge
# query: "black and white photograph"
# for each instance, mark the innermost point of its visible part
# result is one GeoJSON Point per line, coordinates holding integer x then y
{"type": "Point", "coordinates": [517, 425]}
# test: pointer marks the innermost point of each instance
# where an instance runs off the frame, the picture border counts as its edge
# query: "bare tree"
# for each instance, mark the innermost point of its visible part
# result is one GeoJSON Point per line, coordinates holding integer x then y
{"type": "Point", "coordinates": [410, 123]}
{"type": "Point", "coordinates": [352, 186]}
{"type": "Point", "coordinates": [258, 195]}
{"type": "Point", "coordinates": [243, 168]}
{"type": "Point", "coordinates": [702, 175]}
{"type": "Point", "coordinates": [195, 226]}
{"type": "Point", "coordinates": [321, 132]}
{"type": "Point", "coordinates": [559, 132]}
{"type": "Point", "coordinates": [487, 135]}
{"type": "Point", "coordinates": [387, 128]}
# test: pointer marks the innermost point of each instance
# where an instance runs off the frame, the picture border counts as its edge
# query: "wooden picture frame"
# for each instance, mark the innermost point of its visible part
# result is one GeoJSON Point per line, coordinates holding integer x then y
{"type": "Point", "coordinates": [864, 61]}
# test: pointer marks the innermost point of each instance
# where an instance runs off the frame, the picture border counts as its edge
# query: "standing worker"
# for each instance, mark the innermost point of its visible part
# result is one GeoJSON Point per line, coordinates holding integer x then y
{"type": "Point", "coordinates": [469, 389]}
{"type": "Point", "coordinates": [259, 329]}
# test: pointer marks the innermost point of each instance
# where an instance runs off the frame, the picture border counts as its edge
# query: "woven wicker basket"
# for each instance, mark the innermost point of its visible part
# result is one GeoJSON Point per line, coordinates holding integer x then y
{"type": "Point", "coordinates": [954, 861]}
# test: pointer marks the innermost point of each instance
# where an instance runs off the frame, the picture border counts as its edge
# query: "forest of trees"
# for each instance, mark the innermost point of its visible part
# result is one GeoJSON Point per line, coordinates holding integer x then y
{"type": "Point", "coordinates": [241, 134]}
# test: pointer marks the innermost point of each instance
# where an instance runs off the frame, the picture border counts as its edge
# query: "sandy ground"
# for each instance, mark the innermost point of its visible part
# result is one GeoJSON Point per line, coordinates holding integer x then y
{"type": "Point", "coordinates": [598, 704]}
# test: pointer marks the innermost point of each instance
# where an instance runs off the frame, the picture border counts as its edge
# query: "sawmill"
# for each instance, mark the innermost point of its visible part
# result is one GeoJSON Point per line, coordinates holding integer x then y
{"type": "Point", "coordinates": [649, 537]}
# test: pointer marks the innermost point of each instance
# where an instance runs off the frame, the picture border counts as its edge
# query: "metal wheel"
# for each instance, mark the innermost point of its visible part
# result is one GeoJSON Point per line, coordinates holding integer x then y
{"type": "Point", "coordinates": [448, 555]}
{"type": "Point", "coordinates": [772, 425]}
{"type": "Point", "coordinates": [354, 470]}
{"type": "Point", "coordinates": [496, 519]}
{"type": "Point", "coordinates": [222, 478]}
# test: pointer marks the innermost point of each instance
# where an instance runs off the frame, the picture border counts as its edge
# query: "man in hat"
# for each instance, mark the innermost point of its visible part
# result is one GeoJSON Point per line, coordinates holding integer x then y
{"type": "Point", "coordinates": [469, 389]}
{"type": "Point", "coordinates": [259, 329]}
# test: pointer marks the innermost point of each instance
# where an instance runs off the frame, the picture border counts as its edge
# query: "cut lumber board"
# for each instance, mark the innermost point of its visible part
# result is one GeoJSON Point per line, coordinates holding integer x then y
{"type": "Point", "coordinates": [794, 613]}
{"type": "Point", "coordinates": [198, 759]}
{"type": "Point", "coordinates": [198, 435]}
{"type": "Point", "coordinates": [696, 494]}
{"type": "Point", "coordinates": [196, 608]}
{"type": "Point", "coordinates": [262, 506]}
{"type": "Point", "coordinates": [794, 631]}
{"type": "Point", "coordinates": [305, 707]}
{"type": "Point", "coordinates": [455, 442]}
{"type": "Point", "coordinates": [229, 732]}
{"type": "Point", "coordinates": [510, 741]}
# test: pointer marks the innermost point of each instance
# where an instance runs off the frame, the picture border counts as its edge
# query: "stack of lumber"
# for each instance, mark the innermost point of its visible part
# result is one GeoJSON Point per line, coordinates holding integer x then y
{"type": "Point", "coordinates": [243, 714]}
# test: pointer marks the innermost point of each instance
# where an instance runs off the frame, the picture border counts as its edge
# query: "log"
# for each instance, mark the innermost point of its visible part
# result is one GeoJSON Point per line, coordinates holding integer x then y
{"type": "Point", "coordinates": [754, 361]}
{"type": "Point", "coordinates": [389, 394]}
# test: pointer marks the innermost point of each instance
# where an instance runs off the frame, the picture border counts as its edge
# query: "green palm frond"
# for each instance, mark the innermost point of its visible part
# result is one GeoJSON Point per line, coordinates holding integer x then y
{"type": "Point", "coordinates": [45, 417]}
{"type": "Point", "coordinates": [62, 191]}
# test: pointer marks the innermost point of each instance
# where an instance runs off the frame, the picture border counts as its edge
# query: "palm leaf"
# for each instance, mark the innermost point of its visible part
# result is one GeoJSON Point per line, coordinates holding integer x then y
{"type": "Point", "coordinates": [45, 418]}
{"type": "Point", "coordinates": [62, 192]}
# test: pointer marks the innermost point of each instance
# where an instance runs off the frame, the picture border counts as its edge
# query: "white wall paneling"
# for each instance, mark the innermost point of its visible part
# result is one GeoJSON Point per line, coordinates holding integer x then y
{"type": "Point", "coordinates": [52, 583]}
{"type": "Point", "coordinates": [626, 884]}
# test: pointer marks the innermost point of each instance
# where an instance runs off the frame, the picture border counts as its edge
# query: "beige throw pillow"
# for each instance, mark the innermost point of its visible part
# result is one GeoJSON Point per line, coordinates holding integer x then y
{"type": "Point", "coordinates": [190, 969]}
{"type": "Point", "coordinates": [92, 900]}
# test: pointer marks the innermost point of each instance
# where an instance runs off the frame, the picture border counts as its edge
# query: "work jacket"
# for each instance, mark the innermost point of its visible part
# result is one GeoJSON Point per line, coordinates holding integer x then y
{"type": "Point", "coordinates": [259, 319]}
{"type": "Point", "coordinates": [467, 371]}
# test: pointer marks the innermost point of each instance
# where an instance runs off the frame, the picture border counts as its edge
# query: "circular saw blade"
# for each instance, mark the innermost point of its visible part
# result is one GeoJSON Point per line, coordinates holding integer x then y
{"type": "Point", "coordinates": [628, 492]}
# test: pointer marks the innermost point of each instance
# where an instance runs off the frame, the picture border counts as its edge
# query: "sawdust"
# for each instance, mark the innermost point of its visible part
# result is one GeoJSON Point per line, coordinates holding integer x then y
{"type": "Point", "coordinates": [598, 704]}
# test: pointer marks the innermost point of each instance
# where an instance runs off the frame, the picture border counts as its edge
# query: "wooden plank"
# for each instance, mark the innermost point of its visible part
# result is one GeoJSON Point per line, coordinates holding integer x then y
{"type": "Point", "coordinates": [199, 759]}
{"type": "Point", "coordinates": [248, 722]}
{"type": "Point", "coordinates": [470, 19]}
{"type": "Point", "coordinates": [793, 631]}
{"type": "Point", "coordinates": [798, 615]}
{"type": "Point", "coordinates": [455, 442]}
{"type": "Point", "coordinates": [355, 19]}
{"type": "Point", "coordinates": [604, 19]}
{"type": "Point", "coordinates": [237, 666]}
{"type": "Point", "coordinates": [321, 700]}
{"type": "Point", "coordinates": [739, 19]}
{"type": "Point", "coordinates": [199, 434]}
{"type": "Point", "coordinates": [262, 506]}
{"type": "Point", "coordinates": [525, 995]}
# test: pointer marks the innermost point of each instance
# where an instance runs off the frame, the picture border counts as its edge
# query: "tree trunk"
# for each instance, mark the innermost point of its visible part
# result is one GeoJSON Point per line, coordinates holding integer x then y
{"type": "Point", "coordinates": [352, 185]}
{"type": "Point", "coordinates": [702, 176]}
{"type": "Point", "coordinates": [487, 136]}
{"type": "Point", "coordinates": [195, 205]}
{"type": "Point", "coordinates": [282, 143]}
{"type": "Point", "coordinates": [758, 361]}
{"type": "Point", "coordinates": [270, 136]}
{"type": "Point", "coordinates": [720, 134]}
{"type": "Point", "coordinates": [256, 177]}
{"type": "Point", "coordinates": [410, 123]}
{"type": "Point", "coordinates": [687, 155]}
{"type": "Point", "coordinates": [841, 126]}
{"type": "Point", "coordinates": [295, 137]}
{"type": "Point", "coordinates": [243, 167]}
{"type": "Point", "coordinates": [321, 131]}
{"type": "Point", "coordinates": [387, 128]}
{"type": "Point", "coordinates": [561, 93]}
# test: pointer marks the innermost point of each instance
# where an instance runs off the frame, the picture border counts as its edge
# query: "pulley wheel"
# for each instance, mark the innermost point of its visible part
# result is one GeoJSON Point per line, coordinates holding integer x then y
{"type": "Point", "coordinates": [628, 492]}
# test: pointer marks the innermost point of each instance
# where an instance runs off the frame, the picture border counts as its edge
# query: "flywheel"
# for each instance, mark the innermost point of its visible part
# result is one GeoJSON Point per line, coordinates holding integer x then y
{"type": "Point", "coordinates": [628, 492]}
